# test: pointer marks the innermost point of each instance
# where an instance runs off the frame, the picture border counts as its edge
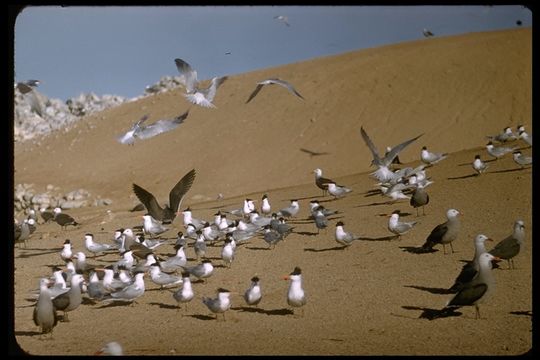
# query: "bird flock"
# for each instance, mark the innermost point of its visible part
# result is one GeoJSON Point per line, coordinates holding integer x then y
{"type": "Point", "coordinates": [181, 277]}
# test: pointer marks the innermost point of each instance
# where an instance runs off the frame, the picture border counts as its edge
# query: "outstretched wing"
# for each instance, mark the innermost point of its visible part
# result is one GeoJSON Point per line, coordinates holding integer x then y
{"type": "Point", "coordinates": [180, 189]}
{"type": "Point", "coordinates": [286, 85]}
{"type": "Point", "coordinates": [396, 149]}
{"type": "Point", "coordinates": [211, 91]}
{"type": "Point", "coordinates": [150, 202]}
{"type": "Point", "coordinates": [160, 126]}
{"type": "Point", "coordinates": [187, 74]}
{"type": "Point", "coordinates": [371, 146]}
{"type": "Point", "coordinates": [255, 92]}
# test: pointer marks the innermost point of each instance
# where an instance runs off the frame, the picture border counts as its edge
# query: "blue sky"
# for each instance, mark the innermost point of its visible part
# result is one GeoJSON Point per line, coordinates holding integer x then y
{"type": "Point", "coordinates": [121, 50]}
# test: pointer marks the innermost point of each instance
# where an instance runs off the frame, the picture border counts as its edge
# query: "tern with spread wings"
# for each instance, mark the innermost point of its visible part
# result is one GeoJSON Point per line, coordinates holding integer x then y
{"type": "Point", "coordinates": [275, 81]}
{"type": "Point", "coordinates": [139, 131]}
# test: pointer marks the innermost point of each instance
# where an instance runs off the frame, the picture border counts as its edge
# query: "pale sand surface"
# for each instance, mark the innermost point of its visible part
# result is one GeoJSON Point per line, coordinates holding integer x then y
{"type": "Point", "coordinates": [364, 300]}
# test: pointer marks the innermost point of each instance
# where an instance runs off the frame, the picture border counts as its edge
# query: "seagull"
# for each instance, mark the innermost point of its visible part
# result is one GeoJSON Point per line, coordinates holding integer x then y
{"type": "Point", "coordinates": [342, 237]}
{"type": "Point", "coordinates": [167, 214]}
{"type": "Point", "coordinates": [296, 296]}
{"type": "Point", "coordinates": [476, 291]}
{"type": "Point", "coordinates": [22, 232]}
{"type": "Point", "coordinates": [253, 294]}
{"type": "Point", "coordinates": [419, 198]}
{"type": "Point", "coordinates": [320, 181]}
{"type": "Point", "coordinates": [44, 311]}
{"type": "Point", "coordinates": [521, 159]}
{"type": "Point", "coordinates": [338, 191]}
{"type": "Point", "coordinates": [185, 293]}
{"type": "Point", "coordinates": [499, 151]}
{"type": "Point", "coordinates": [470, 269]}
{"type": "Point", "coordinates": [220, 304]}
{"type": "Point", "coordinates": [71, 299]}
{"type": "Point", "coordinates": [431, 158]}
{"type": "Point", "coordinates": [47, 216]}
{"type": "Point", "coordinates": [427, 33]}
{"type": "Point", "coordinates": [63, 219]}
{"type": "Point", "coordinates": [283, 19]}
{"type": "Point", "coordinates": [399, 227]}
{"type": "Point", "coordinates": [275, 81]}
{"type": "Point", "coordinates": [383, 172]}
{"type": "Point", "coordinates": [139, 131]}
{"type": "Point", "coordinates": [26, 88]}
{"type": "Point", "coordinates": [291, 210]}
{"type": "Point", "coordinates": [508, 248]}
{"type": "Point", "coordinates": [195, 94]}
{"type": "Point", "coordinates": [478, 165]}
{"type": "Point", "coordinates": [506, 135]}
{"type": "Point", "coordinates": [444, 233]}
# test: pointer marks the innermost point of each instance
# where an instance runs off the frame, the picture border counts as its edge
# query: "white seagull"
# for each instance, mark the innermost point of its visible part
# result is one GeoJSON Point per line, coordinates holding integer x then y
{"type": "Point", "coordinates": [275, 81]}
{"type": "Point", "coordinates": [139, 131]}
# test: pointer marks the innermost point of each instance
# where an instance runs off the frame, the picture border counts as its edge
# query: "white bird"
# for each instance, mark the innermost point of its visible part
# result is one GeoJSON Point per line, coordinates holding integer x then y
{"type": "Point", "coordinates": [506, 135]}
{"type": "Point", "coordinates": [498, 151]}
{"type": "Point", "coordinates": [383, 173]}
{"type": "Point", "coordinates": [399, 227]}
{"type": "Point", "coordinates": [227, 252]}
{"type": "Point", "coordinates": [185, 293]}
{"type": "Point", "coordinates": [111, 348]}
{"type": "Point", "coordinates": [66, 252]}
{"type": "Point", "coordinates": [174, 262]}
{"type": "Point", "coordinates": [253, 294]}
{"type": "Point", "coordinates": [194, 93]}
{"type": "Point", "coordinates": [296, 296]}
{"type": "Point", "coordinates": [431, 158]}
{"type": "Point", "coordinates": [343, 237]}
{"type": "Point", "coordinates": [152, 226]}
{"type": "Point", "coordinates": [130, 292]}
{"type": "Point", "coordinates": [96, 248]}
{"type": "Point", "coordinates": [526, 137]}
{"type": "Point", "coordinates": [189, 219]}
{"type": "Point", "coordinates": [140, 131]}
{"type": "Point", "coordinates": [266, 209]}
{"type": "Point", "coordinates": [338, 191]}
{"type": "Point", "coordinates": [220, 304]}
{"type": "Point", "coordinates": [290, 211]}
{"type": "Point", "coordinates": [44, 314]}
{"type": "Point", "coordinates": [521, 159]}
{"type": "Point", "coordinates": [283, 19]}
{"type": "Point", "coordinates": [273, 81]}
{"type": "Point", "coordinates": [202, 270]}
{"type": "Point", "coordinates": [199, 246]}
{"type": "Point", "coordinates": [163, 279]}
{"type": "Point", "coordinates": [478, 165]}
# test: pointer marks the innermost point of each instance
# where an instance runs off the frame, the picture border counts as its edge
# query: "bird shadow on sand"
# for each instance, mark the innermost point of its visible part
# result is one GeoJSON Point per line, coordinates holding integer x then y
{"type": "Point", "coordinates": [462, 177]}
{"type": "Point", "coordinates": [202, 317]}
{"type": "Point", "coordinates": [281, 312]}
{"type": "Point", "coordinates": [391, 202]}
{"type": "Point", "coordinates": [383, 238]}
{"type": "Point", "coordinates": [440, 291]}
{"type": "Point", "coordinates": [258, 248]}
{"type": "Point", "coordinates": [27, 333]}
{"type": "Point", "coordinates": [164, 306]}
{"type": "Point", "coordinates": [372, 193]}
{"type": "Point", "coordinates": [44, 252]}
{"type": "Point", "coordinates": [307, 197]}
{"type": "Point", "coordinates": [432, 314]}
{"type": "Point", "coordinates": [115, 304]}
{"type": "Point", "coordinates": [326, 249]}
{"type": "Point", "coordinates": [507, 170]}
{"type": "Point", "coordinates": [417, 250]}
{"type": "Point", "coordinates": [522, 312]}
{"type": "Point", "coordinates": [306, 233]}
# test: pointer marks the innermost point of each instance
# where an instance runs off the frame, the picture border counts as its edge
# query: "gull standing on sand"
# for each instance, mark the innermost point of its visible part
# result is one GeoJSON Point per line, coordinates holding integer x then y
{"type": "Point", "coordinates": [399, 227]}
{"type": "Point", "coordinates": [71, 299]}
{"type": "Point", "coordinates": [253, 294]}
{"type": "Point", "coordinates": [273, 81]}
{"type": "Point", "coordinates": [470, 269]}
{"type": "Point", "coordinates": [383, 173]}
{"type": "Point", "coordinates": [476, 291]}
{"type": "Point", "coordinates": [296, 296]}
{"type": "Point", "coordinates": [220, 304]}
{"type": "Point", "coordinates": [176, 195]}
{"type": "Point", "coordinates": [498, 151]}
{"type": "Point", "coordinates": [478, 165]}
{"type": "Point", "coordinates": [444, 233]}
{"type": "Point", "coordinates": [322, 182]}
{"type": "Point", "coordinates": [185, 293]}
{"type": "Point", "coordinates": [521, 159]}
{"type": "Point", "coordinates": [63, 219]}
{"type": "Point", "coordinates": [419, 198]}
{"type": "Point", "coordinates": [44, 314]}
{"type": "Point", "coordinates": [431, 158]}
{"type": "Point", "coordinates": [194, 93]}
{"type": "Point", "coordinates": [509, 247]}
{"type": "Point", "coordinates": [343, 237]}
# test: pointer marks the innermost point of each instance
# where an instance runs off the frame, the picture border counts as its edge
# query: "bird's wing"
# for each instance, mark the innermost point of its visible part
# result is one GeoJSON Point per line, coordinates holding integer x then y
{"type": "Point", "coordinates": [23, 88]}
{"type": "Point", "coordinates": [255, 92]}
{"type": "Point", "coordinates": [466, 275]}
{"type": "Point", "coordinates": [188, 76]}
{"type": "Point", "coordinates": [180, 189]}
{"type": "Point", "coordinates": [211, 91]}
{"type": "Point", "coordinates": [160, 126]}
{"type": "Point", "coordinates": [128, 137]}
{"type": "Point", "coordinates": [286, 85]}
{"type": "Point", "coordinates": [371, 146]}
{"type": "Point", "coordinates": [506, 246]}
{"type": "Point", "coordinates": [149, 201]}
{"type": "Point", "coordinates": [436, 234]}
{"type": "Point", "coordinates": [396, 149]}
{"type": "Point", "coordinates": [468, 294]}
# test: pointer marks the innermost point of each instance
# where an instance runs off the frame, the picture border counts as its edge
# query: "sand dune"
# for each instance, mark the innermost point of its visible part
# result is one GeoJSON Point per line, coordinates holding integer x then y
{"type": "Point", "coordinates": [364, 300]}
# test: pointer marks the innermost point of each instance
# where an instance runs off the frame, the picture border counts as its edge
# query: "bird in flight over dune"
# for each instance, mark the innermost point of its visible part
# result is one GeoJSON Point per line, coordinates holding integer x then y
{"type": "Point", "coordinates": [195, 94]}
{"type": "Point", "coordinates": [271, 82]}
{"type": "Point", "coordinates": [138, 130]}
{"type": "Point", "coordinates": [167, 214]}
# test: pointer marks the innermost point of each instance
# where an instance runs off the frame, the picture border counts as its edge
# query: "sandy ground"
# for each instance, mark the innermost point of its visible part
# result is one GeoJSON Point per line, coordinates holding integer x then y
{"type": "Point", "coordinates": [363, 300]}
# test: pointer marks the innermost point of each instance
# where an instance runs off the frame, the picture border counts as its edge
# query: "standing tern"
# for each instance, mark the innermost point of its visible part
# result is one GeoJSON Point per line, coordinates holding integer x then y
{"type": "Point", "coordinates": [343, 237]}
{"type": "Point", "coordinates": [525, 137]}
{"type": "Point", "coordinates": [96, 248]}
{"type": "Point", "coordinates": [176, 196]}
{"type": "Point", "coordinates": [273, 81]}
{"type": "Point", "coordinates": [506, 135]}
{"type": "Point", "coordinates": [296, 297]}
{"type": "Point", "coordinates": [399, 227]}
{"type": "Point", "coordinates": [253, 294]}
{"type": "Point", "coordinates": [478, 165]}
{"type": "Point", "coordinates": [130, 292]}
{"type": "Point", "coordinates": [522, 160]}
{"type": "Point", "coordinates": [337, 191]}
{"type": "Point", "coordinates": [185, 293]}
{"type": "Point", "coordinates": [290, 211]}
{"type": "Point", "coordinates": [498, 151]}
{"type": "Point", "coordinates": [220, 304]}
{"type": "Point", "coordinates": [163, 279]}
{"type": "Point", "coordinates": [202, 270]}
{"type": "Point", "coordinates": [152, 227]}
{"type": "Point", "coordinates": [431, 158]}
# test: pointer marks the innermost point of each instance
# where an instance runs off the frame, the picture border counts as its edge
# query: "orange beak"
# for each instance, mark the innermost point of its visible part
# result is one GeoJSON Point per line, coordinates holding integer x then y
{"type": "Point", "coordinates": [286, 277]}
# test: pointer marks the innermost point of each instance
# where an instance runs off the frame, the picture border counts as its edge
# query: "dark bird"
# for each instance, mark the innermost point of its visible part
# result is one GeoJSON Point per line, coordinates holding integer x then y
{"type": "Point", "coordinates": [63, 219]}
{"type": "Point", "coordinates": [470, 269]}
{"type": "Point", "coordinates": [508, 248]}
{"type": "Point", "coordinates": [27, 89]}
{"type": "Point", "coordinates": [444, 233]}
{"type": "Point", "coordinates": [419, 198]}
{"type": "Point", "coordinates": [322, 182]}
{"type": "Point", "coordinates": [272, 81]}
{"type": "Point", "coordinates": [167, 214]}
{"type": "Point", "coordinates": [70, 300]}
{"type": "Point", "coordinates": [44, 312]}
{"type": "Point", "coordinates": [313, 153]}
{"type": "Point", "coordinates": [427, 33]}
{"type": "Point", "coordinates": [26, 86]}
{"type": "Point", "coordinates": [47, 216]}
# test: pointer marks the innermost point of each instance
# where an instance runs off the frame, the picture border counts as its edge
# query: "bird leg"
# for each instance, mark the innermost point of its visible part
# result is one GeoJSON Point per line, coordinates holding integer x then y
{"type": "Point", "coordinates": [477, 312]}
{"type": "Point", "coordinates": [451, 247]}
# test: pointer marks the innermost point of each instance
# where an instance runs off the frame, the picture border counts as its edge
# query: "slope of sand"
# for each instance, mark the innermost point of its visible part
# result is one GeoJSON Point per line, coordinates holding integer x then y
{"type": "Point", "coordinates": [363, 300]}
